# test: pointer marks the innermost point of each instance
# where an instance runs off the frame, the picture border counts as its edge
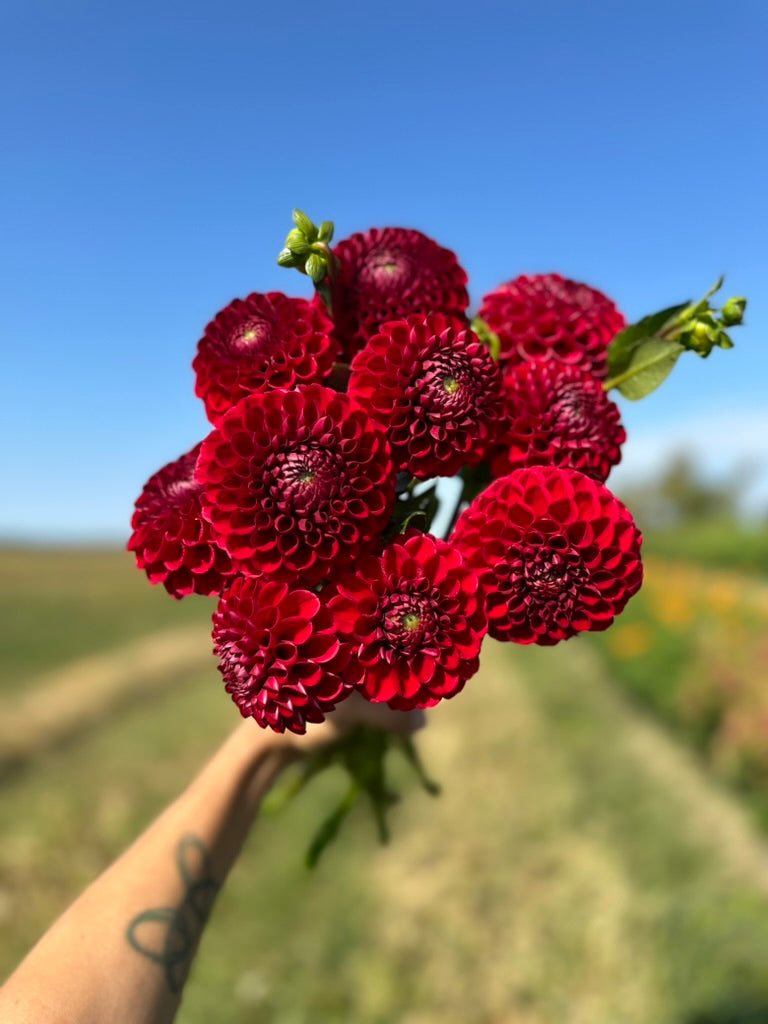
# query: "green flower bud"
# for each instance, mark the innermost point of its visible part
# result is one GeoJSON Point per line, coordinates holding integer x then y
{"type": "Point", "coordinates": [287, 259]}
{"type": "Point", "coordinates": [325, 234]}
{"type": "Point", "coordinates": [297, 243]}
{"type": "Point", "coordinates": [732, 312]}
{"type": "Point", "coordinates": [701, 336]}
{"type": "Point", "coordinates": [305, 225]}
{"type": "Point", "coordinates": [316, 266]}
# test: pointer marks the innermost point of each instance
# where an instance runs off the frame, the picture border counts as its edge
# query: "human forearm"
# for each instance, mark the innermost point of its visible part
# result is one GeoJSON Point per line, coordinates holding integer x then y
{"type": "Point", "coordinates": [122, 951]}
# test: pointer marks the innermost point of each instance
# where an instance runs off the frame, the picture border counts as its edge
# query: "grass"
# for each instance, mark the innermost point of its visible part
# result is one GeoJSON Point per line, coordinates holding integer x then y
{"type": "Point", "coordinates": [719, 545]}
{"type": "Point", "coordinates": [576, 870]}
{"type": "Point", "coordinates": [58, 605]}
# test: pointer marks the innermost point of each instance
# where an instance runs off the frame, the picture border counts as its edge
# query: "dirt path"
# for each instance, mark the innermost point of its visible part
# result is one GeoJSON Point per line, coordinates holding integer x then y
{"type": "Point", "coordinates": [82, 692]}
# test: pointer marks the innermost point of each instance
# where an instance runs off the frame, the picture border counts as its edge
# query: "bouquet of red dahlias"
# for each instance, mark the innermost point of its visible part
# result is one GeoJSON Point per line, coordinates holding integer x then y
{"type": "Point", "coordinates": [313, 508]}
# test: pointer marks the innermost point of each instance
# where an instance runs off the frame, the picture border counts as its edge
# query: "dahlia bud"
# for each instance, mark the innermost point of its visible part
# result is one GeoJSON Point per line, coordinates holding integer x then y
{"type": "Point", "coordinates": [287, 259]}
{"type": "Point", "coordinates": [306, 248]}
{"type": "Point", "coordinates": [732, 313]}
{"type": "Point", "coordinates": [325, 234]}
{"type": "Point", "coordinates": [297, 243]}
{"type": "Point", "coordinates": [304, 225]}
{"type": "Point", "coordinates": [316, 267]}
{"type": "Point", "coordinates": [704, 333]}
{"type": "Point", "coordinates": [702, 337]}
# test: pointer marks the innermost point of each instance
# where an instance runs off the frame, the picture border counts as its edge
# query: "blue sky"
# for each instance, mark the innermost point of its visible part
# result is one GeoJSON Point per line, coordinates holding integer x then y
{"type": "Point", "coordinates": [152, 154]}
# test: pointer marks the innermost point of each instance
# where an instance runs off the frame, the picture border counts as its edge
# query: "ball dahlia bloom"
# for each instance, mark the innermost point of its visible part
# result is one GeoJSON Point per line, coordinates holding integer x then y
{"type": "Point", "coordinates": [171, 541]}
{"type": "Point", "coordinates": [546, 316]}
{"type": "Point", "coordinates": [557, 552]}
{"type": "Point", "coordinates": [263, 341]}
{"type": "Point", "coordinates": [412, 622]}
{"type": "Point", "coordinates": [296, 483]}
{"type": "Point", "coordinates": [558, 415]}
{"type": "Point", "coordinates": [278, 654]}
{"type": "Point", "coordinates": [436, 389]}
{"type": "Point", "coordinates": [387, 274]}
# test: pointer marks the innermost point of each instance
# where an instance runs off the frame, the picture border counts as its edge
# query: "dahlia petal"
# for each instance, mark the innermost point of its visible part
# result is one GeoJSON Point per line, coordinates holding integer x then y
{"type": "Point", "coordinates": [547, 317]}
{"type": "Point", "coordinates": [279, 668]}
{"type": "Point", "coordinates": [292, 503]}
{"type": "Point", "coordinates": [566, 571]}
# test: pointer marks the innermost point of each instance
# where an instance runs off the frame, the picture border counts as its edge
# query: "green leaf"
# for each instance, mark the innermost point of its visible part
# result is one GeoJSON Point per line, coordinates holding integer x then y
{"type": "Point", "coordinates": [622, 348]}
{"type": "Point", "coordinates": [329, 828]}
{"type": "Point", "coordinates": [408, 748]}
{"type": "Point", "coordinates": [488, 337]}
{"type": "Point", "coordinates": [650, 364]}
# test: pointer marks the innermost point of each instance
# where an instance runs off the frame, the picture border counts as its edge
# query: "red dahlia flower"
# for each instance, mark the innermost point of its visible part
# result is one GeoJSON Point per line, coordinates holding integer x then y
{"type": "Point", "coordinates": [437, 390]}
{"type": "Point", "coordinates": [297, 483]}
{"type": "Point", "coordinates": [558, 554]}
{"type": "Point", "coordinates": [546, 316]}
{"type": "Point", "coordinates": [263, 341]}
{"type": "Point", "coordinates": [171, 541]}
{"type": "Point", "coordinates": [278, 654]}
{"type": "Point", "coordinates": [387, 274]}
{"type": "Point", "coordinates": [559, 415]}
{"type": "Point", "coordinates": [412, 622]}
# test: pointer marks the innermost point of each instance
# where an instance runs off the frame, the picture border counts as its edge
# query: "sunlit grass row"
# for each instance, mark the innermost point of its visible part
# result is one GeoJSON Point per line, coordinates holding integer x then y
{"type": "Point", "coordinates": [693, 646]}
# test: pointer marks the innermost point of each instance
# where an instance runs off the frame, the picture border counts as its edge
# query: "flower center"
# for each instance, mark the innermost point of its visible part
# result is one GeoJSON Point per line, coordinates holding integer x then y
{"type": "Point", "coordinates": [407, 622]}
{"type": "Point", "coordinates": [304, 478]}
{"type": "Point", "coordinates": [548, 574]}
{"type": "Point", "coordinates": [256, 336]}
{"type": "Point", "coordinates": [546, 579]}
{"type": "Point", "coordinates": [386, 269]}
{"type": "Point", "coordinates": [447, 387]}
{"type": "Point", "coordinates": [573, 410]}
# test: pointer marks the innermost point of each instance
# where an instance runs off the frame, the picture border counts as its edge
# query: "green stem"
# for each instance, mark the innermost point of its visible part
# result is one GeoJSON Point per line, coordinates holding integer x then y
{"type": "Point", "coordinates": [324, 288]}
{"type": "Point", "coordinates": [330, 827]}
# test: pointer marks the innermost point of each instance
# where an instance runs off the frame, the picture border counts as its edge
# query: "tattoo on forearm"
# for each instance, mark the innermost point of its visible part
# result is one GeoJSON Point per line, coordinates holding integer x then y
{"type": "Point", "coordinates": [168, 935]}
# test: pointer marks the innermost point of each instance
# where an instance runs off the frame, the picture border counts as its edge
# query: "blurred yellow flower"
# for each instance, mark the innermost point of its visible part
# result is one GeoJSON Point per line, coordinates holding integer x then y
{"type": "Point", "coordinates": [632, 640]}
{"type": "Point", "coordinates": [723, 595]}
{"type": "Point", "coordinates": [673, 607]}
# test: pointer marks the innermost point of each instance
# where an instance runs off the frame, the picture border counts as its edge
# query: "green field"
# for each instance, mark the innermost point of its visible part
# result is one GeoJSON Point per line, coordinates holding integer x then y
{"type": "Point", "coordinates": [58, 605]}
{"type": "Point", "coordinates": [721, 545]}
{"type": "Point", "coordinates": [580, 865]}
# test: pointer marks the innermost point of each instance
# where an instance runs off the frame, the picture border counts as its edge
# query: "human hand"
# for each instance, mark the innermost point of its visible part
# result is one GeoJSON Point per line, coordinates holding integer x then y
{"type": "Point", "coordinates": [353, 711]}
